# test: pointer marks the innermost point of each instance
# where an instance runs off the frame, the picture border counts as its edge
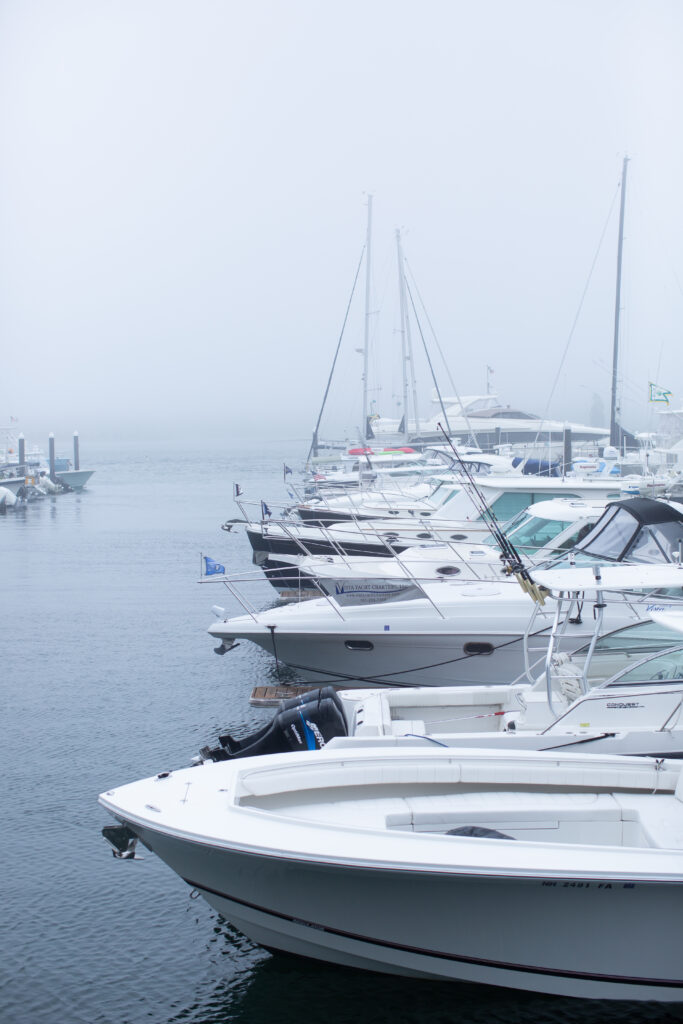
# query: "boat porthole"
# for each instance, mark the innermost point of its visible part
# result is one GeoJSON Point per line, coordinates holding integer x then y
{"type": "Point", "coordinates": [458, 536]}
{"type": "Point", "coordinates": [423, 536]}
{"type": "Point", "coordinates": [358, 645]}
{"type": "Point", "coordinates": [478, 647]}
{"type": "Point", "coordinates": [448, 570]}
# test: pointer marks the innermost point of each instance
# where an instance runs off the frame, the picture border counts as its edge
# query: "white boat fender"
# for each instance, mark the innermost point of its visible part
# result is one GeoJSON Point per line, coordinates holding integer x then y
{"type": "Point", "coordinates": [7, 497]}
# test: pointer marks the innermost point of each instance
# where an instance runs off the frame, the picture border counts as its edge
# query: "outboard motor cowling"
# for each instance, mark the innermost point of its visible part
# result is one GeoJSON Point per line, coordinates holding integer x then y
{"type": "Point", "coordinates": [301, 723]}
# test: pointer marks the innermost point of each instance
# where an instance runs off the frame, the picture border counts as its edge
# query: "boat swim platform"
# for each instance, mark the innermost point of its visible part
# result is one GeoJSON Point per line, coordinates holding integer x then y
{"type": "Point", "coordinates": [270, 696]}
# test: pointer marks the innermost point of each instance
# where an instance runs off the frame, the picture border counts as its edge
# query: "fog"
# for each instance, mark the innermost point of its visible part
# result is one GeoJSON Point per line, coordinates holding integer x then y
{"type": "Point", "coordinates": [183, 196]}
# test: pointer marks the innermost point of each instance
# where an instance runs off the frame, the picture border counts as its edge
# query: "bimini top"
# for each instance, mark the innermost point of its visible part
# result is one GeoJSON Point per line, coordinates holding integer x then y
{"type": "Point", "coordinates": [651, 510]}
{"type": "Point", "coordinates": [635, 530]}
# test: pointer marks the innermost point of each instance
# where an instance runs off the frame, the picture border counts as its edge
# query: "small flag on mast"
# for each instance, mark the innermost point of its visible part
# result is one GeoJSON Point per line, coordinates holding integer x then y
{"type": "Point", "coordinates": [265, 511]}
{"type": "Point", "coordinates": [659, 394]}
{"type": "Point", "coordinates": [236, 491]}
{"type": "Point", "coordinates": [285, 471]}
{"type": "Point", "coordinates": [212, 568]}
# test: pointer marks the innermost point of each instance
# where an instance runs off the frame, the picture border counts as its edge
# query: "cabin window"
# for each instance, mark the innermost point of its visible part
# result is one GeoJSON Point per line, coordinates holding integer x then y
{"type": "Point", "coordinates": [512, 502]}
{"type": "Point", "coordinates": [478, 647]}
{"type": "Point", "coordinates": [448, 497]}
{"type": "Point", "coordinates": [358, 645]}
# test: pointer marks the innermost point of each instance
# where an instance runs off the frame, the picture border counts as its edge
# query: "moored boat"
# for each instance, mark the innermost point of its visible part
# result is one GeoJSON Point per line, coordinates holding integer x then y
{"type": "Point", "coordinates": [548, 872]}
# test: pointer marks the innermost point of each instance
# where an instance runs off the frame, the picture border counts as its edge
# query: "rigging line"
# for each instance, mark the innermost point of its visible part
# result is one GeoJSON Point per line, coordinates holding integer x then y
{"type": "Point", "coordinates": [424, 344]}
{"type": "Point", "coordinates": [472, 435]}
{"type": "Point", "coordinates": [336, 354]}
{"type": "Point", "coordinates": [486, 514]}
{"type": "Point", "coordinates": [578, 312]}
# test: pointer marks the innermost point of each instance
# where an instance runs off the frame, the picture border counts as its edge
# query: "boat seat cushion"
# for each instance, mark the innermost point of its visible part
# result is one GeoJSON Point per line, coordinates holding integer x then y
{"type": "Point", "coordinates": [522, 808]}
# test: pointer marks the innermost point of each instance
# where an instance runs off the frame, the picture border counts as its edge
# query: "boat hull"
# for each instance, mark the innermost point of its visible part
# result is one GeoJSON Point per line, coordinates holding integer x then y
{"type": "Point", "coordinates": [75, 478]}
{"type": "Point", "coordinates": [396, 659]}
{"type": "Point", "coordinates": [264, 544]}
{"type": "Point", "coordinates": [564, 936]}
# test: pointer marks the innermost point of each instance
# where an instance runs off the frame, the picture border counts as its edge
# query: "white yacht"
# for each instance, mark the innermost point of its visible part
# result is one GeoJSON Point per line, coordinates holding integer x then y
{"type": "Point", "coordinates": [541, 531]}
{"type": "Point", "coordinates": [619, 693]}
{"type": "Point", "coordinates": [469, 631]}
{"type": "Point", "coordinates": [451, 516]}
{"type": "Point", "coordinates": [485, 420]}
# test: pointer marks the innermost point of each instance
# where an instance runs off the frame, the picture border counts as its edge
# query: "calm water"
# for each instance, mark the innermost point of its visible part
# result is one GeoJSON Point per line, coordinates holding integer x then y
{"type": "Point", "coordinates": [108, 675]}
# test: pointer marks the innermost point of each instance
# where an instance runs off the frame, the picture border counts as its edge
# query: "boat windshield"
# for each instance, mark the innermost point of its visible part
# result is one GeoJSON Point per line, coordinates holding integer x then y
{"type": "Point", "coordinates": [657, 542]}
{"type": "Point", "coordinates": [615, 651]}
{"type": "Point", "coordinates": [443, 492]}
{"type": "Point", "coordinates": [511, 503]}
{"type": "Point", "coordinates": [528, 532]}
{"type": "Point", "coordinates": [666, 666]}
{"type": "Point", "coordinates": [639, 638]}
{"type": "Point", "coordinates": [612, 535]}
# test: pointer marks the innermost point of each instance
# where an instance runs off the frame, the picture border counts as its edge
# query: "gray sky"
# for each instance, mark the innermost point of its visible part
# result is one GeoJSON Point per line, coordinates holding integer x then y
{"type": "Point", "coordinates": [182, 204]}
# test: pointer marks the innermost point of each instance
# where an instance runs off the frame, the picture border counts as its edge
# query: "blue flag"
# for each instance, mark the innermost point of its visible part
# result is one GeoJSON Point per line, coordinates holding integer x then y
{"type": "Point", "coordinates": [265, 511]}
{"type": "Point", "coordinates": [213, 568]}
{"type": "Point", "coordinates": [285, 470]}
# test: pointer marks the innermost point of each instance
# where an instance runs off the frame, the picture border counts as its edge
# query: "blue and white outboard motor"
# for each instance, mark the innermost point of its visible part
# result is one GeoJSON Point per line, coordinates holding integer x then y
{"type": "Point", "coordinates": [301, 723]}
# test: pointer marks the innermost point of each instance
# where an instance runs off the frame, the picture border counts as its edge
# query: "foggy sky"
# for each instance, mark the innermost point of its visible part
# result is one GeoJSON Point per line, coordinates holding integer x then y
{"type": "Point", "coordinates": [183, 190]}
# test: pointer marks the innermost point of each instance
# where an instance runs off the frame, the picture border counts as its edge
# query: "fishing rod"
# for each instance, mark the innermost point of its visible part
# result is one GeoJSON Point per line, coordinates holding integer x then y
{"type": "Point", "coordinates": [513, 564]}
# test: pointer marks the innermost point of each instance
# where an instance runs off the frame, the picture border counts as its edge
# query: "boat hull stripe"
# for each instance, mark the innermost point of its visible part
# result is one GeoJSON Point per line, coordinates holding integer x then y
{"type": "Point", "coordinates": [436, 954]}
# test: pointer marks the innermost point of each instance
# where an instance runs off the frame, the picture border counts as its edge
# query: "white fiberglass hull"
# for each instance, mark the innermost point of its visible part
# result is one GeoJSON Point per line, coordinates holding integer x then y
{"type": "Point", "coordinates": [340, 883]}
{"type": "Point", "coordinates": [75, 478]}
{"type": "Point", "coordinates": [477, 639]}
{"type": "Point", "coordinates": [579, 938]}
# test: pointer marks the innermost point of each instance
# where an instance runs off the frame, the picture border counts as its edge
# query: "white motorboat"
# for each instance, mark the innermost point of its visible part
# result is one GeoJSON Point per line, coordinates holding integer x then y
{"type": "Point", "coordinates": [366, 469]}
{"type": "Point", "coordinates": [423, 497]}
{"type": "Point", "coordinates": [485, 419]}
{"type": "Point", "coordinates": [456, 519]}
{"type": "Point", "coordinates": [540, 532]}
{"type": "Point", "coordinates": [469, 631]}
{"type": "Point", "coordinates": [620, 693]}
{"type": "Point", "coordinates": [550, 872]}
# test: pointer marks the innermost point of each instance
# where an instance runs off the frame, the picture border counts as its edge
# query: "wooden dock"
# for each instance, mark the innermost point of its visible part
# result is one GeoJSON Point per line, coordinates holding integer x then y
{"type": "Point", "coordinates": [270, 696]}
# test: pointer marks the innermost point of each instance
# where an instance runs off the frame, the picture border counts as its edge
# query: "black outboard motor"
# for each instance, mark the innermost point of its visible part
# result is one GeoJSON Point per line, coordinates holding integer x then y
{"type": "Point", "coordinates": [301, 723]}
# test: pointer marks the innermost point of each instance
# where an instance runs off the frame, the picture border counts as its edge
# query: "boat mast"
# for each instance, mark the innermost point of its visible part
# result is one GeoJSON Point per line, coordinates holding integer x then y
{"type": "Point", "coordinates": [366, 334]}
{"type": "Point", "coordinates": [614, 428]}
{"type": "Point", "coordinates": [406, 343]}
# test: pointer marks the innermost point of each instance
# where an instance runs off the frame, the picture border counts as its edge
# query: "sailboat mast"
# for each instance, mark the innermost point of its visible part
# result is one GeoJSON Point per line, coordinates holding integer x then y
{"type": "Point", "coordinates": [366, 333]}
{"type": "Point", "coordinates": [409, 347]}
{"type": "Point", "coordinates": [404, 317]}
{"type": "Point", "coordinates": [614, 428]}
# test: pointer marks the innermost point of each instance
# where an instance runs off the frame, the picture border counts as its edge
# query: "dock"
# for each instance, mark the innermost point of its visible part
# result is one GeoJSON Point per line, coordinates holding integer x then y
{"type": "Point", "coordinates": [270, 696]}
